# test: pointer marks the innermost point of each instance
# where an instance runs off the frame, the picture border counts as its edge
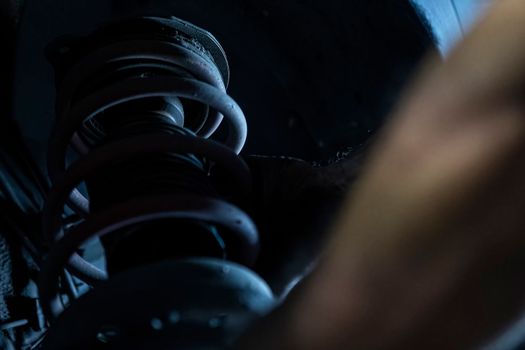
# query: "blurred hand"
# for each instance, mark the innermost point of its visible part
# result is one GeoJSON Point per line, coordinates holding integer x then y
{"type": "Point", "coordinates": [428, 251]}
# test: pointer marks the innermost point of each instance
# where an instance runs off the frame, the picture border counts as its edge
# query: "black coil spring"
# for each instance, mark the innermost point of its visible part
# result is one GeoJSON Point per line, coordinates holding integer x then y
{"type": "Point", "coordinates": [134, 101]}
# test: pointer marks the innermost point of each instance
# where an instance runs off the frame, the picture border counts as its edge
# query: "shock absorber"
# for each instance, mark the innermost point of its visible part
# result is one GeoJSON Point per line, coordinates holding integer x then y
{"type": "Point", "coordinates": [145, 124]}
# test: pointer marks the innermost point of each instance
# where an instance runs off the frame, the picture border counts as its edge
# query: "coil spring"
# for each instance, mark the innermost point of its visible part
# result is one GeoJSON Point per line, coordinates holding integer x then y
{"type": "Point", "coordinates": [117, 77]}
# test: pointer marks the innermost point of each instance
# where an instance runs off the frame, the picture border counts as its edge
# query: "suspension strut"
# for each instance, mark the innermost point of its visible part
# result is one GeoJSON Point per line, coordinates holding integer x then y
{"type": "Point", "coordinates": [139, 107]}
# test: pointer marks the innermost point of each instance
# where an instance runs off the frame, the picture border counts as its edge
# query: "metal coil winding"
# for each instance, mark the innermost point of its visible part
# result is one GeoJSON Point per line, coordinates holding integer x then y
{"type": "Point", "coordinates": [171, 67]}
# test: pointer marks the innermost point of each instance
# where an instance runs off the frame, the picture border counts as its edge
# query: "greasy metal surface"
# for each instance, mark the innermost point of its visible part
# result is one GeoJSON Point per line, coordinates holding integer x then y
{"type": "Point", "coordinates": [312, 77]}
